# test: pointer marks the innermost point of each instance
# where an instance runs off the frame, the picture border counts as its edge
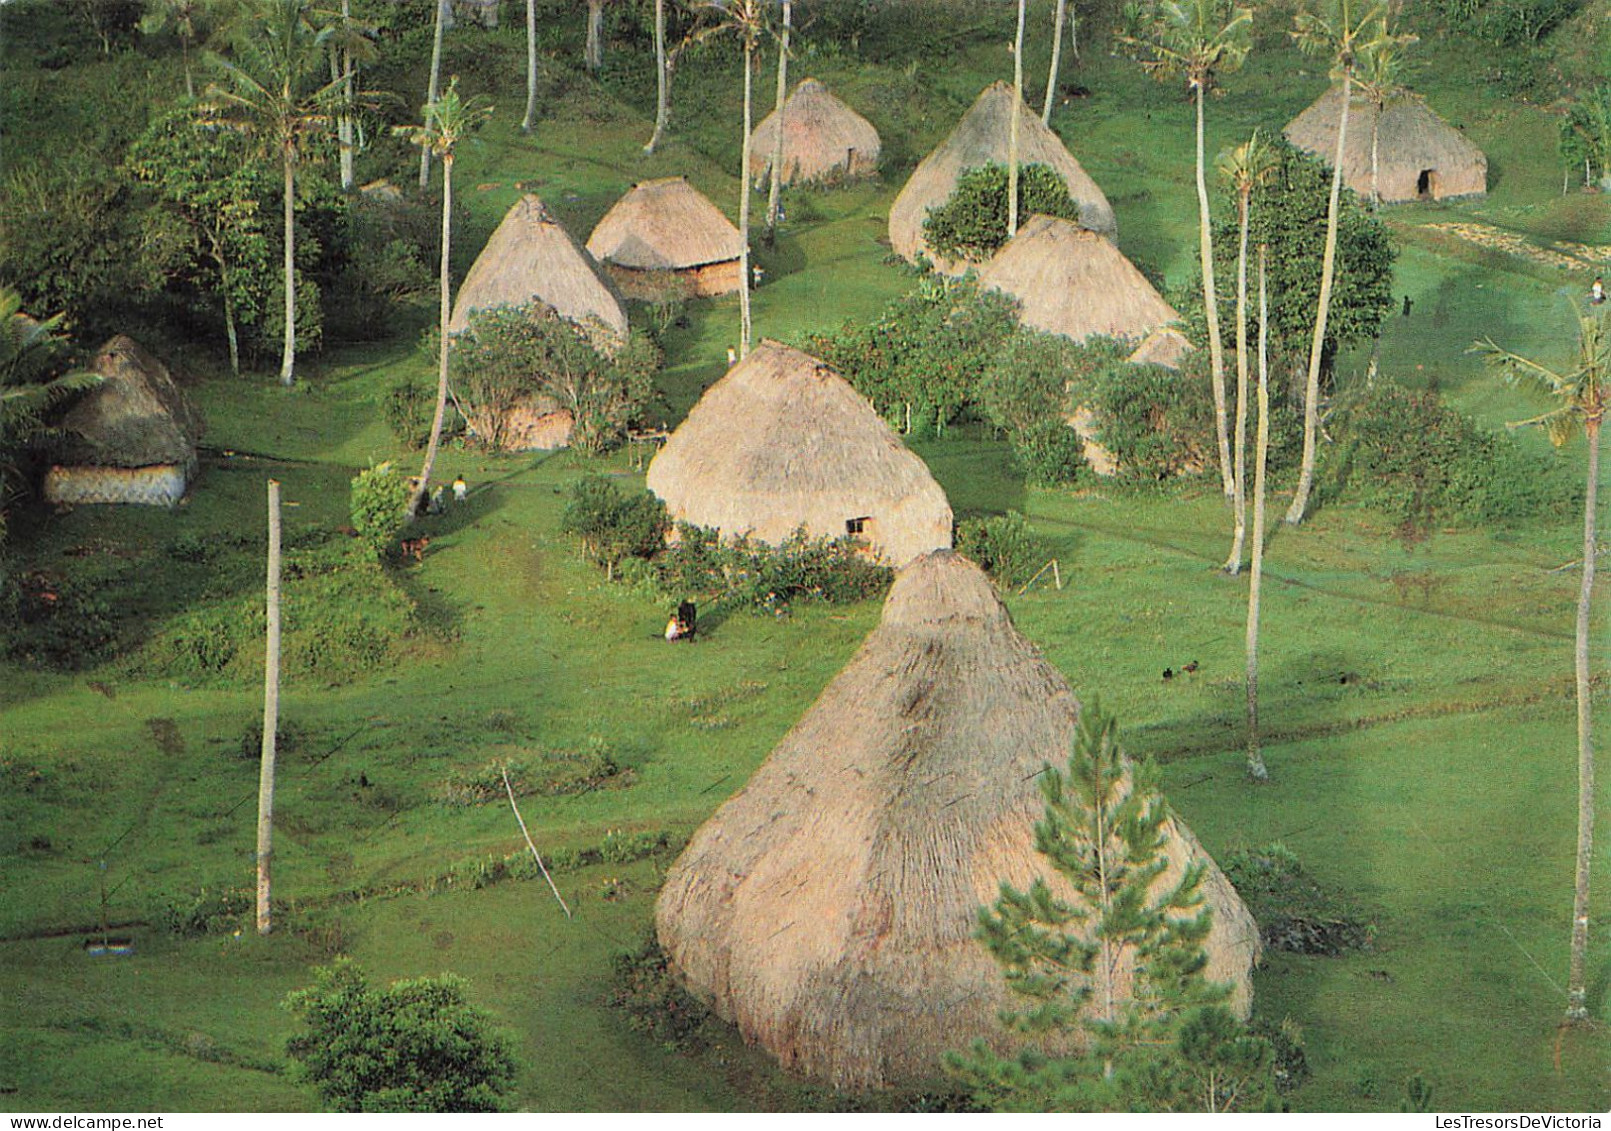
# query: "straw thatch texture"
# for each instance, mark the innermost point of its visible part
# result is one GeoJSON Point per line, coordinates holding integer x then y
{"type": "Point", "coordinates": [1073, 282]}
{"type": "Point", "coordinates": [980, 138]}
{"type": "Point", "coordinates": [1165, 346]}
{"type": "Point", "coordinates": [782, 442]}
{"type": "Point", "coordinates": [667, 228]}
{"type": "Point", "coordinates": [823, 139]}
{"type": "Point", "coordinates": [531, 257]}
{"type": "Point", "coordinates": [130, 439]}
{"type": "Point", "coordinates": [828, 908]}
{"type": "Point", "coordinates": [1419, 155]}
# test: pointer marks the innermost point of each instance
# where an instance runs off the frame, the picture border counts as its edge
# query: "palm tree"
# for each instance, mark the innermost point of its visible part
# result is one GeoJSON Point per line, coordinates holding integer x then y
{"type": "Point", "coordinates": [1381, 63]}
{"type": "Point", "coordinates": [1255, 755]}
{"type": "Point", "coordinates": [448, 120]}
{"type": "Point", "coordinates": [529, 122]}
{"type": "Point", "coordinates": [1012, 128]}
{"type": "Point", "coordinates": [1199, 40]}
{"type": "Point", "coordinates": [1246, 167]}
{"type": "Point", "coordinates": [271, 718]}
{"type": "Point", "coordinates": [1581, 394]}
{"type": "Point", "coordinates": [775, 188]}
{"type": "Point", "coordinates": [268, 95]}
{"type": "Point", "coordinates": [1057, 58]}
{"type": "Point", "coordinates": [1341, 29]}
{"type": "Point", "coordinates": [434, 86]}
{"type": "Point", "coordinates": [662, 77]}
{"type": "Point", "coordinates": [182, 15]}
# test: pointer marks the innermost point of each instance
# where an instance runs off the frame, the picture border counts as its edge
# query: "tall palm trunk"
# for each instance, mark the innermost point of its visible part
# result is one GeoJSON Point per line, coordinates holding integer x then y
{"type": "Point", "coordinates": [1216, 347]}
{"type": "Point", "coordinates": [1012, 129]}
{"type": "Point", "coordinates": [1577, 1008]}
{"type": "Point", "coordinates": [662, 94]}
{"type": "Point", "coordinates": [344, 121]}
{"type": "Point", "coordinates": [774, 192]}
{"type": "Point", "coordinates": [443, 310]}
{"type": "Point", "coordinates": [1057, 58]}
{"type": "Point", "coordinates": [529, 122]}
{"type": "Point", "coordinates": [1328, 263]}
{"type": "Point", "coordinates": [271, 717]}
{"type": "Point", "coordinates": [593, 52]}
{"type": "Point", "coordinates": [1233, 564]}
{"type": "Point", "coordinates": [744, 204]}
{"type": "Point", "coordinates": [190, 82]}
{"type": "Point", "coordinates": [288, 350]}
{"type": "Point", "coordinates": [434, 88]}
{"type": "Point", "coordinates": [1375, 161]}
{"type": "Point", "coordinates": [1261, 448]}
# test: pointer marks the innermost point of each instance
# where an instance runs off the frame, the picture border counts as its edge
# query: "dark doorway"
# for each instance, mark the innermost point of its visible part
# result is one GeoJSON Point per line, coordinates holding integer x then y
{"type": "Point", "coordinates": [1426, 185]}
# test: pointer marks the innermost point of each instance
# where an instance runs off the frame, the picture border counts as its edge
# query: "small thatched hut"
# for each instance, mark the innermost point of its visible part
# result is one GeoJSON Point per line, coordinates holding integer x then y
{"type": "Point", "coordinates": [823, 139]}
{"type": "Point", "coordinates": [531, 257]}
{"type": "Point", "coordinates": [665, 238]}
{"type": "Point", "coordinates": [1419, 156]}
{"type": "Point", "coordinates": [783, 442]}
{"type": "Point", "coordinates": [1070, 281]}
{"type": "Point", "coordinates": [132, 439]}
{"type": "Point", "coordinates": [828, 908]}
{"type": "Point", "coordinates": [980, 138]}
{"type": "Point", "coordinates": [1165, 346]}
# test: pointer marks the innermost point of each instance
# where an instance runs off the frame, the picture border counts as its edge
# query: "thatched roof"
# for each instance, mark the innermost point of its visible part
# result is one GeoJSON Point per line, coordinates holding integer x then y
{"type": "Point", "coordinates": [1073, 282]}
{"type": "Point", "coordinates": [136, 416]}
{"type": "Point", "coordinates": [1419, 155]}
{"type": "Point", "coordinates": [664, 225]}
{"type": "Point", "coordinates": [822, 138]}
{"type": "Point", "coordinates": [980, 138]}
{"type": "Point", "coordinates": [828, 908]}
{"type": "Point", "coordinates": [532, 257]}
{"type": "Point", "coordinates": [781, 442]}
{"type": "Point", "coordinates": [1166, 346]}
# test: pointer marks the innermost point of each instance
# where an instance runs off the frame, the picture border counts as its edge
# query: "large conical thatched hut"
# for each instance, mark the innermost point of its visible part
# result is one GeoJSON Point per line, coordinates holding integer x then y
{"type": "Point", "coordinates": [980, 138]}
{"type": "Point", "coordinates": [665, 238]}
{"type": "Point", "coordinates": [823, 139]}
{"type": "Point", "coordinates": [1419, 155]}
{"type": "Point", "coordinates": [828, 908]}
{"type": "Point", "coordinates": [783, 442]}
{"type": "Point", "coordinates": [132, 439]}
{"type": "Point", "coordinates": [1071, 281]}
{"type": "Point", "coordinates": [532, 258]}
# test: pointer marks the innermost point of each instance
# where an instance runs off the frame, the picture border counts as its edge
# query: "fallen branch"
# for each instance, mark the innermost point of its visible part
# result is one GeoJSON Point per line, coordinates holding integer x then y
{"type": "Point", "coordinates": [534, 855]}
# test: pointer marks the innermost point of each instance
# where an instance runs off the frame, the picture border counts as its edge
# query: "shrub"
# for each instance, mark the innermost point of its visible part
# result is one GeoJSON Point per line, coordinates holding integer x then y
{"type": "Point", "coordinates": [746, 573]}
{"type": "Point", "coordinates": [653, 1001]}
{"type": "Point", "coordinates": [612, 525]}
{"type": "Point", "coordinates": [972, 223]}
{"type": "Point", "coordinates": [1158, 423]}
{"type": "Point", "coordinates": [380, 508]}
{"type": "Point", "coordinates": [408, 408]}
{"type": "Point", "coordinates": [1049, 453]}
{"type": "Point", "coordinates": [206, 911]}
{"type": "Point", "coordinates": [1003, 547]}
{"type": "Point", "coordinates": [1293, 912]}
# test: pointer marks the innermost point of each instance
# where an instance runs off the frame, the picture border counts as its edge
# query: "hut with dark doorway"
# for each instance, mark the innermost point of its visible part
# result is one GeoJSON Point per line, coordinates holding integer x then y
{"type": "Point", "coordinates": [829, 909]}
{"type": "Point", "coordinates": [666, 239]}
{"type": "Point", "coordinates": [980, 138]}
{"type": "Point", "coordinates": [782, 442]}
{"type": "Point", "coordinates": [131, 439]}
{"type": "Point", "coordinates": [823, 139]}
{"type": "Point", "coordinates": [1419, 156]}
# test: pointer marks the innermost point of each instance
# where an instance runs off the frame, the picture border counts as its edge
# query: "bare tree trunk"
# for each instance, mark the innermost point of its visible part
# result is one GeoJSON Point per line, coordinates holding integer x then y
{"type": "Point", "coordinates": [1216, 347]}
{"type": "Point", "coordinates": [1375, 159]}
{"type": "Point", "coordinates": [1233, 564]}
{"type": "Point", "coordinates": [344, 120]}
{"type": "Point", "coordinates": [776, 188]}
{"type": "Point", "coordinates": [1328, 264]}
{"type": "Point", "coordinates": [443, 311]}
{"type": "Point", "coordinates": [662, 98]}
{"type": "Point", "coordinates": [1057, 58]}
{"type": "Point", "coordinates": [1577, 1001]}
{"type": "Point", "coordinates": [229, 330]}
{"type": "Point", "coordinates": [190, 82]}
{"type": "Point", "coordinates": [288, 351]}
{"type": "Point", "coordinates": [271, 718]}
{"type": "Point", "coordinates": [593, 53]}
{"type": "Point", "coordinates": [1012, 129]}
{"type": "Point", "coordinates": [529, 122]}
{"type": "Point", "coordinates": [1256, 768]}
{"type": "Point", "coordinates": [744, 205]}
{"type": "Point", "coordinates": [434, 87]}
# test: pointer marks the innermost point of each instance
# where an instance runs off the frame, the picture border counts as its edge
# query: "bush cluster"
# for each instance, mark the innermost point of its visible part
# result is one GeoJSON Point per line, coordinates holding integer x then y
{"type": "Point", "coordinates": [972, 223]}
{"type": "Point", "coordinates": [1003, 547]}
{"type": "Point", "coordinates": [379, 508]}
{"type": "Point", "coordinates": [1294, 912]}
{"type": "Point", "coordinates": [612, 525]}
{"type": "Point", "coordinates": [1158, 423]}
{"type": "Point", "coordinates": [653, 1001]}
{"type": "Point", "coordinates": [746, 573]}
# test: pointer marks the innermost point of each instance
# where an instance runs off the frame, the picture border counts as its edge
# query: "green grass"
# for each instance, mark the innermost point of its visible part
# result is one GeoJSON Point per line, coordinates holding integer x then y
{"type": "Point", "coordinates": [1416, 695]}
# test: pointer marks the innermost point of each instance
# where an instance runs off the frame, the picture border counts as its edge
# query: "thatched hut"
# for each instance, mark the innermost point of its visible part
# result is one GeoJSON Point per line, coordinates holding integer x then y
{"type": "Point", "coordinates": [823, 139]}
{"type": "Point", "coordinates": [1165, 346]}
{"type": "Point", "coordinates": [1419, 155]}
{"type": "Point", "coordinates": [980, 138]}
{"type": "Point", "coordinates": [828, 908]}
{"type": "Point", "coordinates": [665, 238]}
{"type": "Point", "coordinates": [132, 439]}
{"type": "Point", "coordinates": [532, 258]}
{"type": "Point", "coordinates": [783, 442]}
{"type": "Point", "coordinates": [1069, 280]}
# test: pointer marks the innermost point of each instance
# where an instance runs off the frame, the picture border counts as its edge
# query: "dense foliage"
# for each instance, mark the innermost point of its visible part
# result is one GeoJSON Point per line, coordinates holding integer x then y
{"type": "Point", "coordinates": [611, 524]}
{"type": "Point", "coordinates": [1004, 547]}
{"type": "Point", "coordinates": [747, 573]}
{"type": "Point", "coordinates": [379, 508]}
{"type": "Point", "coordinates": [972, 223]}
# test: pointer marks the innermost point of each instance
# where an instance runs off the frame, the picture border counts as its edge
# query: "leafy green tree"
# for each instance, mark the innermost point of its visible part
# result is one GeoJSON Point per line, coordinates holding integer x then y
{"type": "Point", "coordinates": [379, 496]}
{"type": "Point", "coordinates": [611, 525]}
{"type": "Point", "coordinates": [972, 223]}
{"type": "Point", "coordinates": [416, 1045]}
{"type": "Point", "coordinates": [1121, 964]}
{"type": "Point", "coordinates": [1582, 392]}
{"type": "Point", "coordinates": [1585, 138]}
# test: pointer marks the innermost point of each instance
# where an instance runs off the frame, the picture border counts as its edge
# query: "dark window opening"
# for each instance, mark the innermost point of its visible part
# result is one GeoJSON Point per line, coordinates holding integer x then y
{"type": "Point", "coordinates": [857, 525]}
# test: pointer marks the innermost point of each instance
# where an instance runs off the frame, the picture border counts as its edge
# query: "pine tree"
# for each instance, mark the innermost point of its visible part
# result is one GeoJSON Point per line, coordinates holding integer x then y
{"type": "Point", "coordinates": [1123, 963]}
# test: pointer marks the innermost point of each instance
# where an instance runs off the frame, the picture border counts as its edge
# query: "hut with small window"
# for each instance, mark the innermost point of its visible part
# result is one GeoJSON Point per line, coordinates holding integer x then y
{"type": "Point", "coordinates": [823, 139]}
{"type": "Point", "coordinates": [782, 442]}
{"type": "Point", "coordinates": [666, 239]}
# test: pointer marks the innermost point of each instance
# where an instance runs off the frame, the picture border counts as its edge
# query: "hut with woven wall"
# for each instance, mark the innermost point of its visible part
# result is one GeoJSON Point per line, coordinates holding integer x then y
{"type": "Point", "coordinates": [782, 442]}
{"type": "Point", "coordinates": [828, 909]}
{"type": "Point", "coordinates": [823, 139]}
{"type": "Point", "coordinates": [1069, 280]}
{"type": "Point", "coordinates": [980, 138]}
{"type": "Point", "coordinates": [532, 258]}
{"type": "Point", "coordinates": [132, 439]}
{"type": "Point", "coordinates": [664, 238]}
{"type": "Point", "coordinates": [1419, 155]}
